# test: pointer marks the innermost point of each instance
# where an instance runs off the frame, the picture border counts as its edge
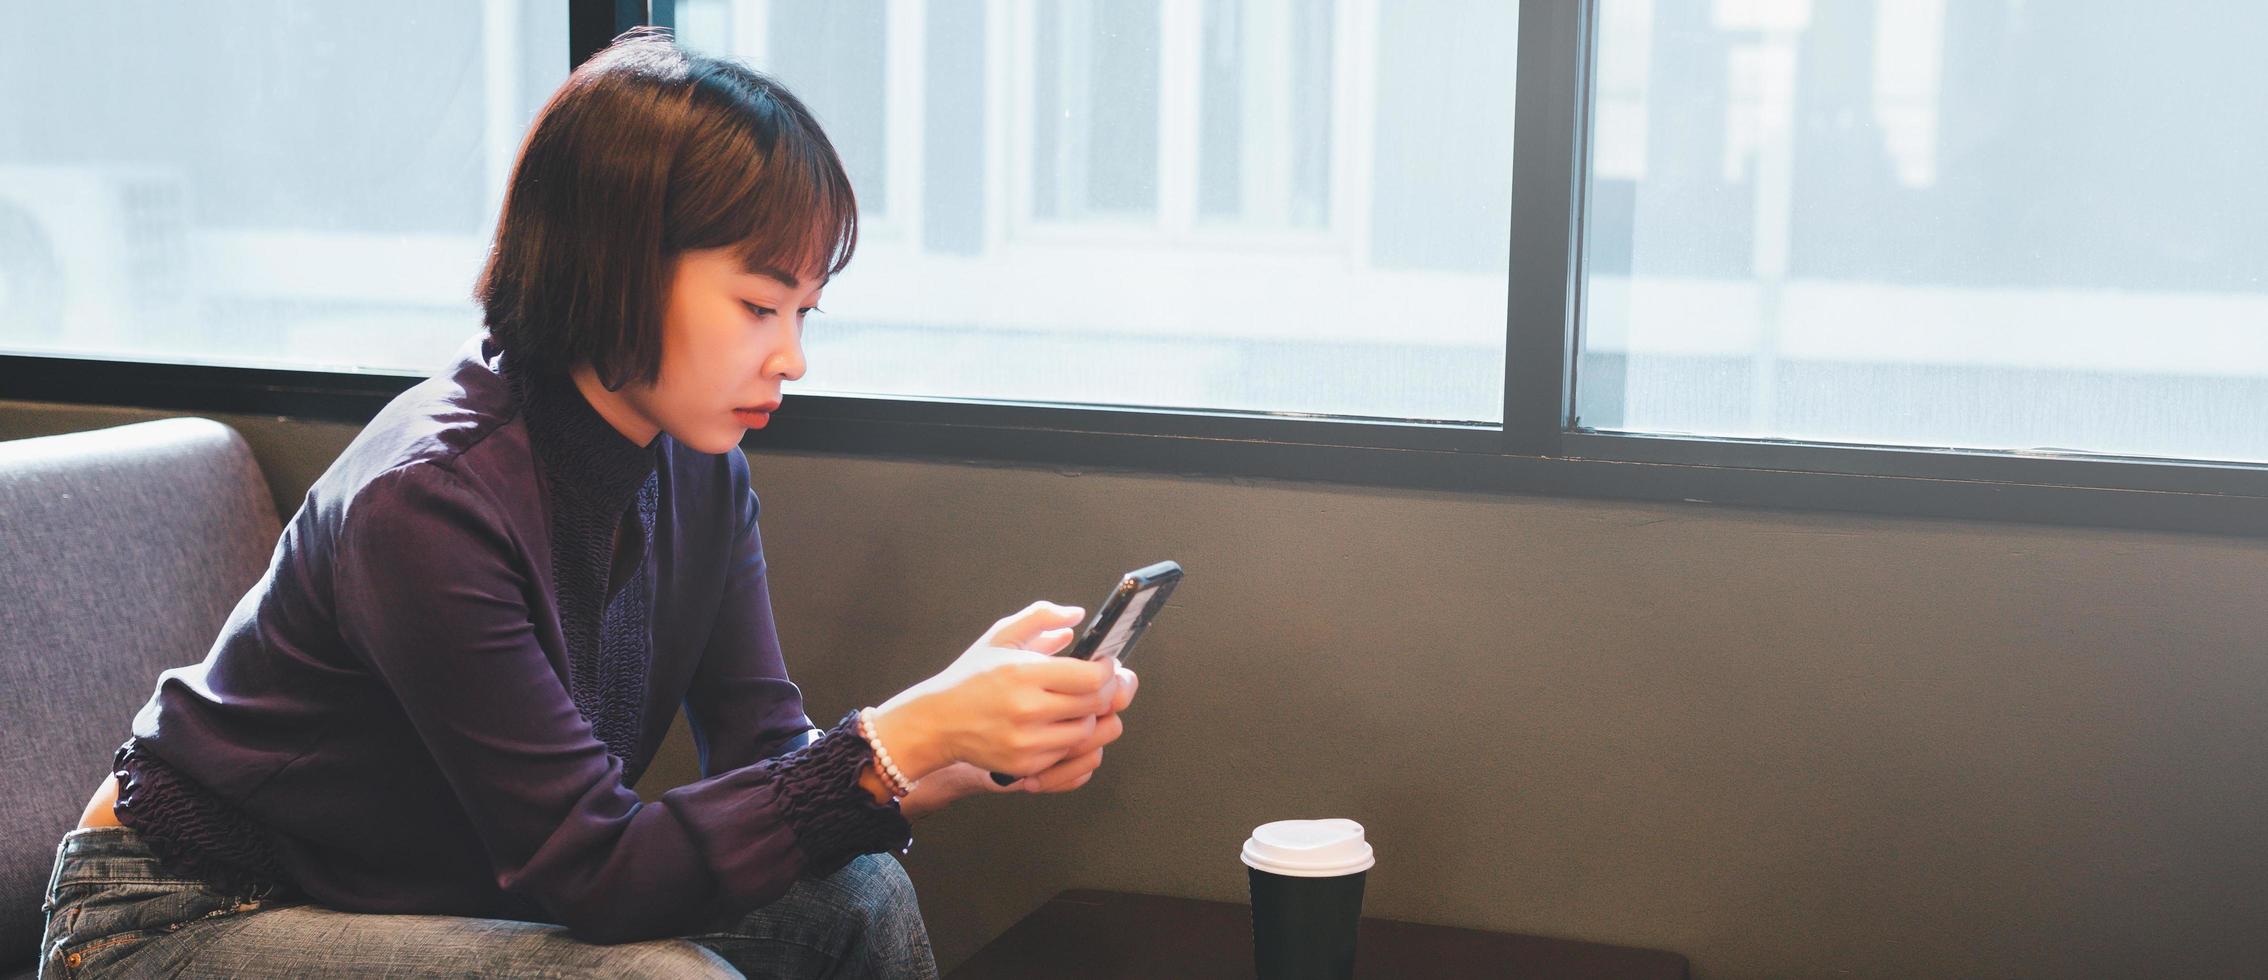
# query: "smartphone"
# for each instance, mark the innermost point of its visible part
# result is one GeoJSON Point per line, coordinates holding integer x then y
{"type": "Point", "coordinates": [1120, 620]}
{"type": "Point", "coordinates": [1125, 613]}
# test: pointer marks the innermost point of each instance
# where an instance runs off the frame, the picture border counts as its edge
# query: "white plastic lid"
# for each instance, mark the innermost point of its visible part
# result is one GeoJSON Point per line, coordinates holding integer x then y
{"type": "Point", "coordinates": [1309, 848]}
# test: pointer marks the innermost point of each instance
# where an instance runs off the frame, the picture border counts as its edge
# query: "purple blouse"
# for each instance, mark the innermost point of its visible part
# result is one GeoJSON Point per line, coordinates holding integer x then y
{"type": "Point", "coordinates": [391, 704]}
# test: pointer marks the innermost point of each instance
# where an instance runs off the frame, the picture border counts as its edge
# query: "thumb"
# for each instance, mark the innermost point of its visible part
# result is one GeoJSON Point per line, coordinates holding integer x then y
{"type": "Point", "coordinates": [1026, 630]}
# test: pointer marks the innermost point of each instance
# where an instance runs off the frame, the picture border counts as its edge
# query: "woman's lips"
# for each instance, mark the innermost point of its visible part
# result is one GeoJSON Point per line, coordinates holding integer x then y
{"type": "Point", "coordinates": [756, 416]}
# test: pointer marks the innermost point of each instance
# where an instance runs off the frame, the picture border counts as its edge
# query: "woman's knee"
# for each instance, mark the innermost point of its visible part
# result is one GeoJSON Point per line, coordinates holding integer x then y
{"type": "Point", "coordinates": [880, 896]}
{"type": "Point", "coordinates": [889, 938]}
{"type": "Point", "coordinates": [860, 921]}
{"type": "Point", "coordinates": [869, 894]}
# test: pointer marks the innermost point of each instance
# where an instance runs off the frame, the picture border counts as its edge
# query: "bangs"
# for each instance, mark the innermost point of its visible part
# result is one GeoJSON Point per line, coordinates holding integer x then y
{"type": "Point", "coordinates": [781, 204]}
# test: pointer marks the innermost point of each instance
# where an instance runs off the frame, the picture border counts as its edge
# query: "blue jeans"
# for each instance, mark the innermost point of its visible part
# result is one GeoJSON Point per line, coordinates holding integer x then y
{"type": "Point", "coordinates": [112, 913]}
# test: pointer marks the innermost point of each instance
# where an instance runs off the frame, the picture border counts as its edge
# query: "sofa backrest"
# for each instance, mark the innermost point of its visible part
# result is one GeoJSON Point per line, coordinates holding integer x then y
{"type": "Point", "coordinates": [121, 553]}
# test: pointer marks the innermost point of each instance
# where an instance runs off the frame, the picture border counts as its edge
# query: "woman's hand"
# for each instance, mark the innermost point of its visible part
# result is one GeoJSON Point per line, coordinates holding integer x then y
{"type": "Point", "coordinates": [939, 789]}
{"type": "Point", "coordinates": [1080, 763]}
{"type": "Point", "coordinates": [1006, 705]}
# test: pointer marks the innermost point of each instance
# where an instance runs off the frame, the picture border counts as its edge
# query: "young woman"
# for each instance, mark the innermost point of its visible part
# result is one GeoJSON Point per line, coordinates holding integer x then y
{"type": "Point", "coordinates": [410, 751]}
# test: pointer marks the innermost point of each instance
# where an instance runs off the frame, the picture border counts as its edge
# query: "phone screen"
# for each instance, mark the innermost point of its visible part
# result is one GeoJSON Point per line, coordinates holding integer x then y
{"type": "Point", "coordinates": [1123, 629]}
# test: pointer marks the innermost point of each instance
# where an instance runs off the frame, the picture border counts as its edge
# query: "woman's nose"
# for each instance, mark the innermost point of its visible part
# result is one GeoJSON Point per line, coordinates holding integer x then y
{"type": "Point", "coordinates": [788, 364]}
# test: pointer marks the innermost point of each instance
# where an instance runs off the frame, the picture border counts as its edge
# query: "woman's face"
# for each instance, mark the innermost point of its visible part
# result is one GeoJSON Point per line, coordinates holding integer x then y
{"type": "Point", "coordinates": [730, 336]}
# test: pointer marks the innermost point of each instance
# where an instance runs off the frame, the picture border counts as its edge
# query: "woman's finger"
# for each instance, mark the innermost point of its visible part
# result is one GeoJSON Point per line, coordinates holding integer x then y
{"type": "Point", "coordinates": [1049, 706]}
{"type": "Point", "coordinates": [1067, 736]}
{"type": "Point", "coordinates": [1103, 731]}
{"type": "Point", "coordinates": [1065, 675]}
{"type": "Point", "coordinates": [1071, 773]}
{"type": "Point", "coordinates": [1107, 730]}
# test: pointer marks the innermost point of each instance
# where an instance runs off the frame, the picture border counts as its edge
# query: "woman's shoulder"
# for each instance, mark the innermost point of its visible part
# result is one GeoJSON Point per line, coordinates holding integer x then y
{"type": "Point", "coordinates": [454, 433]}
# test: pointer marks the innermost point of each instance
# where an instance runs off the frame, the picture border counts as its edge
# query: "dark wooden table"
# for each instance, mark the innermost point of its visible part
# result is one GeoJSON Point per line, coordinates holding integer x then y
{"type": "Point", "coordinates": [1106, 935]}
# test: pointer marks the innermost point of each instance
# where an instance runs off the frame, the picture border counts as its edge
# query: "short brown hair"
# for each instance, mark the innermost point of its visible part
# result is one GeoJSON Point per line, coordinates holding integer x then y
{"type": "Point", "coordinates": [646, 152]}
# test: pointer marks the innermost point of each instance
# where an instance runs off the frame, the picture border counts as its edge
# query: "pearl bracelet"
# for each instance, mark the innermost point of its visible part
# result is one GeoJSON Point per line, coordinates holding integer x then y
{"type": "Point", "coordinates": [899, 785]}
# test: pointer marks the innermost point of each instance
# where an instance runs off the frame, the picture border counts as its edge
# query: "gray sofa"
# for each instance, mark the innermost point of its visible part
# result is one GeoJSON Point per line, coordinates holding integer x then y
{"type": "Point", "coordinates": [121, 552]}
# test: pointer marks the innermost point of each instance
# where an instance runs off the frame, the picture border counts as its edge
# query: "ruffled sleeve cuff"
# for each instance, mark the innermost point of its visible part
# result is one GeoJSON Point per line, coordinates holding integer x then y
{"type": "Point", "coordinates": [834, 818]}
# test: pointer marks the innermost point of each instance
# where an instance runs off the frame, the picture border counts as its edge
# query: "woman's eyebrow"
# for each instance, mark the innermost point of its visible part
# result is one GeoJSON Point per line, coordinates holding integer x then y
{"type": "Point", "coordinates": [756, 267]}
{"type": "Point", "coordinates": [759, 269]}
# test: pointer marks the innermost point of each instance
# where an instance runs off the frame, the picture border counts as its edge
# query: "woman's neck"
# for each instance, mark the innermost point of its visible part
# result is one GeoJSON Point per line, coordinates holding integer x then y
{"type": "Point", "coordinates": [614, 408]}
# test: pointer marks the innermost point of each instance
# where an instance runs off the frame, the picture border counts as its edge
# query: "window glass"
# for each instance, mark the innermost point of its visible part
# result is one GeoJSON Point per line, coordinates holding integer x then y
{"type": "Point", "coordinates": [1985, 224]}
{"type": "Point", "coordinates": [261, 182]}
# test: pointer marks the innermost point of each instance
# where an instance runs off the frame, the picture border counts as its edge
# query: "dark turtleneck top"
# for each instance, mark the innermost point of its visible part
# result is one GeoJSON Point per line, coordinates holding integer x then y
{"type": "Point", "coordinates": [468, 644]}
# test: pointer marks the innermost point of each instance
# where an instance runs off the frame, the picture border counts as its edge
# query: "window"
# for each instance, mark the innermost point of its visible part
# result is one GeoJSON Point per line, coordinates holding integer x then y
{"type": "Point", "coordinates": [261, 182]}
{"type": "Point", "coordinates": [1989, 224]}
{"type": "Point", "coordinates": [1258, 206]}
{"type": "Point", "coordinates": [1996, 259]}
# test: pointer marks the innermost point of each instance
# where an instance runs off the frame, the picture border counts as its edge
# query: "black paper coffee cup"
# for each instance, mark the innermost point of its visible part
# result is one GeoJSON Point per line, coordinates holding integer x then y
{"type": "Point", "coordinates": [1307, 879]}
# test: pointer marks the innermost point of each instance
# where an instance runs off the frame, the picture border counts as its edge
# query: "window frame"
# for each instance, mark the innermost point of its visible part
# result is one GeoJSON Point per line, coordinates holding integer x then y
{"type": "Point", "coordinates": [1540, 449]}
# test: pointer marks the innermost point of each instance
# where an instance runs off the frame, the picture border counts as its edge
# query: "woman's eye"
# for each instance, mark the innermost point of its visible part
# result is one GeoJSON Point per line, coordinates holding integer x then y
{"type": "Point", "coordinates": [760, 311]}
